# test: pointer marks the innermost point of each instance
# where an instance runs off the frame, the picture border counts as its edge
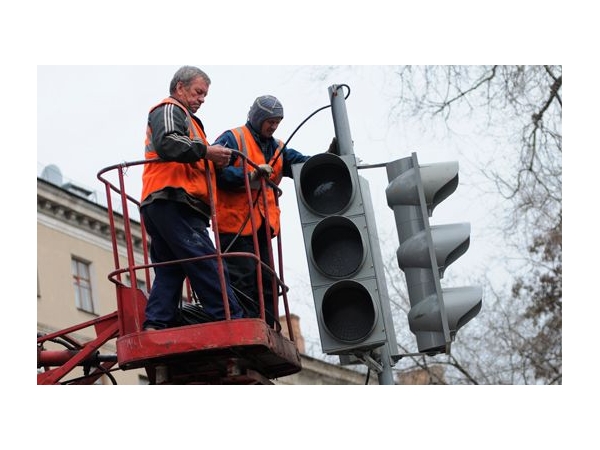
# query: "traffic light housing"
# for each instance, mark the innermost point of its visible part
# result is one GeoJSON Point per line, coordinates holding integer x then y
{"type": "Point", "coordinates": [342, 253]}
{"type": "Point", "coordinates": [426, 251]}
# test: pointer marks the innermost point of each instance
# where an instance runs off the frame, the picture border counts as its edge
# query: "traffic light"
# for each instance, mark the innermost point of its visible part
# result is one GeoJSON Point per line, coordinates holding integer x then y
{"type": "Point", "coordinates": [342, 252]}
{"type": "Point", "coordinates": [426, 251]}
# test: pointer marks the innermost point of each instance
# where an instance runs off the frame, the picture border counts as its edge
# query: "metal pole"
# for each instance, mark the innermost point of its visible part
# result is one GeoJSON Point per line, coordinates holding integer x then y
{"type": "Point", "coordinates": [386, 375]}
{"type": "Point", "coordinates": [340, 120]}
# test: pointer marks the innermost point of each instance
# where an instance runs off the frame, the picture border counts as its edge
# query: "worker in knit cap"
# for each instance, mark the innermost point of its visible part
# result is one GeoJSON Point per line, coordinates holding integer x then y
{"type": "Point", "coordinates": [234, 213]}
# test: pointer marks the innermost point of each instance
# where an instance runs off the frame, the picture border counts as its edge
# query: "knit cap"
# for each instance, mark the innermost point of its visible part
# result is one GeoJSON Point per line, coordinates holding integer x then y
{"type": "Point", "coordinates": [264, 107]}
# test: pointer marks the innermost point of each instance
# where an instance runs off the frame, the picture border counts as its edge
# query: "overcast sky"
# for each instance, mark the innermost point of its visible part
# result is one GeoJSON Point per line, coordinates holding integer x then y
{"type": "Point", "coordinates": [92, 117]}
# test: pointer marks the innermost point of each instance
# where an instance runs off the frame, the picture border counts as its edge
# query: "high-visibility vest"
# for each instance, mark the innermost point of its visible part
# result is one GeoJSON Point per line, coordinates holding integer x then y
{"type": "Point", "coordinates": [189, 176]}
{"type": "Point", "coordinates": [233, 208]}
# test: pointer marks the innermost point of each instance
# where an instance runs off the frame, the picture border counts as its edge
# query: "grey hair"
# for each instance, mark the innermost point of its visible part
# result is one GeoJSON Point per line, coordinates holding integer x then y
{"type": "Point", "coordinates": [186, 75]}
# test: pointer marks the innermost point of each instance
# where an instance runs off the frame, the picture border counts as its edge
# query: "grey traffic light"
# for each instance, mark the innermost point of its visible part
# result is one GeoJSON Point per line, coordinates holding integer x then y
{"type": "Point", "coordinates": [426, 251]}
{"type": "Point", "coordinates": [343, 258]}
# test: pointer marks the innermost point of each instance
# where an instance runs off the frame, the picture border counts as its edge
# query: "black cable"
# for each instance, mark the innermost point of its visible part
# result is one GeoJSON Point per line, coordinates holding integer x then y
{"type": "Point", "coordinates": [279, 154]}
{"type": "Point", "coordinates": [305, 120]}
{"type": "Point", "coordinates": [255, 303]}
{"type": "Point", "coordinates": [85, 377]}
{"type": "Point", "coordinates": [273, 161]}
{"type": "Point", "coordinates": [61, 341]}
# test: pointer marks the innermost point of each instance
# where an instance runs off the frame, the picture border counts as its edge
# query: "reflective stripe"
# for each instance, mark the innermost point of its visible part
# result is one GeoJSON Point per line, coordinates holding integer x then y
{"type": "Point", "coordinates": [243, 147]}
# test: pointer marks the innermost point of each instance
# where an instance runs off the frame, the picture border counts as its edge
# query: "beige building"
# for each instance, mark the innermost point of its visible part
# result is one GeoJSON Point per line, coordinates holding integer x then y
{"type": "Point", "coordinates": [74, 259]}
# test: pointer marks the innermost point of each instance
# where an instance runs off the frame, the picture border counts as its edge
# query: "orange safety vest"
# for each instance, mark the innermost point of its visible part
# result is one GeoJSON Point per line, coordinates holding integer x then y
{"type": "Point", "coordinates": [232, 207]}
{"type": "Point", "coordinates": [188, 176]}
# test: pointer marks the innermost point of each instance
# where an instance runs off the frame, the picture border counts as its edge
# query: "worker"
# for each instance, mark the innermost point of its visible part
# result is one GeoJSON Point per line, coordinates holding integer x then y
{"type": "Point", "coordinates": [255, 140]}
{"type": "Point", "coordinates": [175, 204]}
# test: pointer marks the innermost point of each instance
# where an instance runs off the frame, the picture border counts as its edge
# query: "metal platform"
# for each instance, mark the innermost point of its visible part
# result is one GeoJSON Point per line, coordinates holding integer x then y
{"type": "Point", "coordinates": [240, 351]}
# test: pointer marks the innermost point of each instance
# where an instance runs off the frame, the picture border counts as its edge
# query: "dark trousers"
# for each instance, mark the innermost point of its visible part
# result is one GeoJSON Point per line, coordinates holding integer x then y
{"type": "Point", "coordinates": [180, 232]}
{"type": "Point", "coordinates": [243, 273]}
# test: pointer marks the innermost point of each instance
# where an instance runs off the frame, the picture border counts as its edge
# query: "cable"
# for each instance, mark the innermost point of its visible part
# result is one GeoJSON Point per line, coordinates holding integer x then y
{"type": "Point", "coordinates": [272, 163]}
{"type": "Point", "coordinates": [279, 154]}
{"type": "Point", "coordinates": [305, 120]}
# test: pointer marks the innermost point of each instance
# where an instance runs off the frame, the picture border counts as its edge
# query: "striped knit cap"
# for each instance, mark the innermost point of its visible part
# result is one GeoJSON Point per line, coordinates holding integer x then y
{"type": "Point", "coordinates": [264, 107]}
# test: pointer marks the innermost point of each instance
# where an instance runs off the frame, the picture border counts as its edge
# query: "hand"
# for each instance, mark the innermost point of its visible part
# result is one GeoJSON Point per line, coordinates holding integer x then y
{"type": "Point", "coordinates": [333, 147]}
{"type": "Point", "coordinates": [264, 170]}
{"type": "Point", "coordinates": [219, 155]}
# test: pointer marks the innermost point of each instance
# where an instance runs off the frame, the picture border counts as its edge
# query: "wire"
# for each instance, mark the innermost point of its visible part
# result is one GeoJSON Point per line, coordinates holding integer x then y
{"type": "Point", "coordinates": [273, 161]}
{"type": "Point", "coordinates": [104, 371]}
{"type": "Point", "coordinates": [281, 151]}
{"type": "Point", "coordinates": [58, 340]}
{"type": "Point", "coordinates": [305, 120]}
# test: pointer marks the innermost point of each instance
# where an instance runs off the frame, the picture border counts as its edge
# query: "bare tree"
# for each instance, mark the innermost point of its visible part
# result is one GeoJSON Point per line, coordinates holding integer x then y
{"type": "Point", "coordinates": [522, 105]}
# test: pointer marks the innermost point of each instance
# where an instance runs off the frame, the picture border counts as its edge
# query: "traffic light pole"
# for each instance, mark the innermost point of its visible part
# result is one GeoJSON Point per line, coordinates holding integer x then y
{"type": "Point", "coordinates": [385, 376]}
{"type": "Point", "coordinates": [341, 125]}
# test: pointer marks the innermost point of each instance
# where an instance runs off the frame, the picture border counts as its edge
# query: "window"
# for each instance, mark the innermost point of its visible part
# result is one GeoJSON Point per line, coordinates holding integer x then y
{"type": "Point", "coordinates": [83, 285]}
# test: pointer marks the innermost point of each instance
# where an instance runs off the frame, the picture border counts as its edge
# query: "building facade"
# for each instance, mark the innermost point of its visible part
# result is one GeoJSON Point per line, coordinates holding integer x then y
{"type": "Point", "coordinates": [74, 258]}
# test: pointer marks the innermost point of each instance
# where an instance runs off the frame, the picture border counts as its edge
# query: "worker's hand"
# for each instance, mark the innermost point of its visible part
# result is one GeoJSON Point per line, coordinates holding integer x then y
{"type": "Point", "coordinates": [333, 147]}
{"type": "Point", "coordinates": [219, 155]}
{"type": "Point", "coordinates": [264, 170]}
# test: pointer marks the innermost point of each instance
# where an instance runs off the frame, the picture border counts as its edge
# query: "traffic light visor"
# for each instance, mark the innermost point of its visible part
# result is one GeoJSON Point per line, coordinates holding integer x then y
{"type": "Point", "coordinates": [438, 181]}
{"type": "Point", "coordinates": [326, 184]}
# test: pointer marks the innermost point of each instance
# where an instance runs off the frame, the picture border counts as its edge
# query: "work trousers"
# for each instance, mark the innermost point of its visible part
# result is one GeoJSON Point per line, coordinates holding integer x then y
{"type": "Point", "coordinates": [178, 231]}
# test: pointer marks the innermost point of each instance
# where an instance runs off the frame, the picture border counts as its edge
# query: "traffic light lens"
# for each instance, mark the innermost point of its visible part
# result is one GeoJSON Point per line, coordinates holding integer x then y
{"type": "Point", "coordinates": [326, 184]}
{"type": "Point", "coordinates": [337, 247]}
{"type": "Point", "coordinates": [348, 312]}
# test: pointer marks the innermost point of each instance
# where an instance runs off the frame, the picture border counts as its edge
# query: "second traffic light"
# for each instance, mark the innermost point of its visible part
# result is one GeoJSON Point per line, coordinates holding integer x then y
{"type": "Point", "coordinates": [426, 251]}
{"type": "Point", "coordinates": [335, 212]}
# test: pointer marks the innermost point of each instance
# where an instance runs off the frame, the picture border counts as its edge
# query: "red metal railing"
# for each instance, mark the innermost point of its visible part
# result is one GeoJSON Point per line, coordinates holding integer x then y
{"type": "Point", "coordinates": [238, 337]}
